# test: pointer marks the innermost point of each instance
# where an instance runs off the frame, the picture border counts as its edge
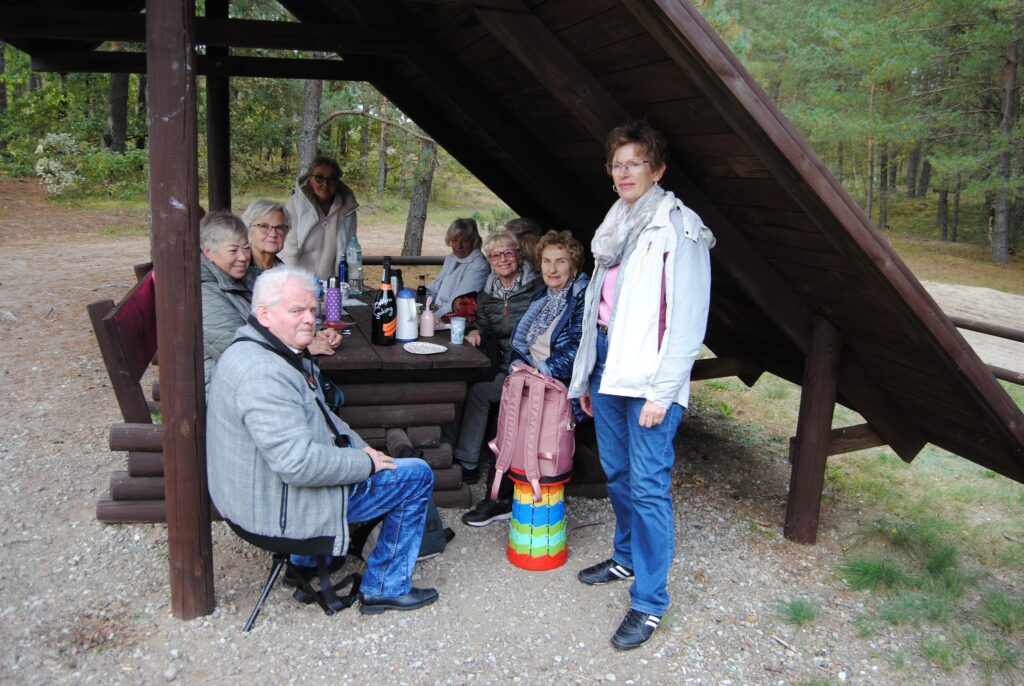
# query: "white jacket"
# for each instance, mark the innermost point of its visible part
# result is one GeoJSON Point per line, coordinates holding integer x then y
{"type": "Point", "coordinates": [674, 248]}
{"type": "Point", "coordinates": [316, 242]}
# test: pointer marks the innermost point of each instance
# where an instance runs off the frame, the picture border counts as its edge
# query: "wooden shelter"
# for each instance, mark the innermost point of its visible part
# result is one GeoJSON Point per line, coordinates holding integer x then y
{"type": "Point", "coordinates": [523, 92]}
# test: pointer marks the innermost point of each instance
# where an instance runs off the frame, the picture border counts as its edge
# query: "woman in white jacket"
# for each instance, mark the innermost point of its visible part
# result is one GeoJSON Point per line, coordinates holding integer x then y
{"type": "Point", "coordinates": [465, 269]}
{"type": "Point", "coordinates": [322, 216]}
{"type": "Point", "coordinates": [644, 321]}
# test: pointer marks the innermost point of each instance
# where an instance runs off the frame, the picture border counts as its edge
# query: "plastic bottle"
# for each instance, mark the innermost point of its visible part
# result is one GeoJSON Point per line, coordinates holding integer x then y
{"type": "Point", "coordinates": [354, 257]}
{"type": "Point", "coordinates": [427, 320]}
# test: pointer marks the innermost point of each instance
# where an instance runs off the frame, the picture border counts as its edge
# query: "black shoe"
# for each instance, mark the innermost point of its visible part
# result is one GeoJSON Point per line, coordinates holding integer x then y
{"type": "Point", "coordinates": [413, 600]}
{"type": "Point", "coordinates": [636, 629]}
{"type": "Point", "coordinates": [487, 511]}
{"type": "Point", "coordinates": [605, 572]}
{"type": "Point", "coordinates": [470, 476]}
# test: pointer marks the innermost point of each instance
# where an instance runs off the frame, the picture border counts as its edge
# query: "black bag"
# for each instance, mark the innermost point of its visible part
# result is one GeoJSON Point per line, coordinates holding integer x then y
{"type": "Point", "coordinates": [363, 535]}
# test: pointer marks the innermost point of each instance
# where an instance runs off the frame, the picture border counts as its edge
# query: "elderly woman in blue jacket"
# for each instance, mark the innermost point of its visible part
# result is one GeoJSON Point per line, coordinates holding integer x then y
{"type": "Point", "coordinates": [546, 338]}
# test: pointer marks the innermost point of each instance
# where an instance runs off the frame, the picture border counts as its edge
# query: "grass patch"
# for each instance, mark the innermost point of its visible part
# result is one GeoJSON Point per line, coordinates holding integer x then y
{"type": "Point", "coordinates": [873, 574]}
{"type": "Point", "coordinates": [1005, 612]}
{"type": "Point", "coordinates": [798, 611]}
{"type": "Point", "coordinates": [941, 654]}
{"type": "Point", "coordinates": [125, 230]}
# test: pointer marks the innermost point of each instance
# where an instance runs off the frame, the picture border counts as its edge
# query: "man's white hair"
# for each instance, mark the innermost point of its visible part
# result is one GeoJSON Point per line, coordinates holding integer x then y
{"type": "Point", "coordinates": [270, 285]}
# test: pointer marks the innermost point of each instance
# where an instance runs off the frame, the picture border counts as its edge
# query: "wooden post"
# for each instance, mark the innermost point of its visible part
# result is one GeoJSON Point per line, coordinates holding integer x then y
{"type": "Point", "coordinates": [218, 124]}
{"type": "Point", "coordinates": [813, 433]}
{"type": "Point", "coordinates": [174, 204]}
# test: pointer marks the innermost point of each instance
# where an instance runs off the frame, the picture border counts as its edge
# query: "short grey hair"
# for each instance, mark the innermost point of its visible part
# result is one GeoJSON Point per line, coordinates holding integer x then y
{"type": "Point", "coordinates": [258, 209]}
{"type": "Point", "coordinates": [270, 284]}
{"type": "Point", "coordinates": [464, 226]}
{"type": "Point", "coordinates": [220, 226]}
{"type": "Point", "coordinates": [499, 238]}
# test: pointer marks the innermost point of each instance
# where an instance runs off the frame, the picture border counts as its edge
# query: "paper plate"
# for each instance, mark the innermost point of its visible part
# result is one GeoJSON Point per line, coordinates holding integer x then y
{"type": "Point", "coordinates": [423, 348]}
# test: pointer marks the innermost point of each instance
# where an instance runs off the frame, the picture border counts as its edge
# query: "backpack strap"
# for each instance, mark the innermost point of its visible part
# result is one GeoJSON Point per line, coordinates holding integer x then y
{"type": "Point", "coordinates": [511, 399]}
{"type": "Point", "coordinates": [537, 390]}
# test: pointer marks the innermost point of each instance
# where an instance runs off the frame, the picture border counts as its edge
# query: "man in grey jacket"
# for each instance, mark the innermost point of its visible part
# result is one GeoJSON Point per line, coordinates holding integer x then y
{"type": "Point", "coordinates": [276, 468]}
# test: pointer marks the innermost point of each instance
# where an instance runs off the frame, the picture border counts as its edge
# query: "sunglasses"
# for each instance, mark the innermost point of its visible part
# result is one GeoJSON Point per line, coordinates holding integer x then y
{"type": "Point", "coordinates": [320, 178]}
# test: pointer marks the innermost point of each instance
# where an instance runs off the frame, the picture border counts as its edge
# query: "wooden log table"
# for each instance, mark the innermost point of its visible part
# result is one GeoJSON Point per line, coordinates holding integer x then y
{"type": "Point", "coordinates": [388, 387]}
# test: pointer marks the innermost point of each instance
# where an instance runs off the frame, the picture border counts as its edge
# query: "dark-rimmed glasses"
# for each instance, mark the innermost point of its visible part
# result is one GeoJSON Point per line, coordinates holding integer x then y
{"type": "Point", "coordinates": [264, 228]}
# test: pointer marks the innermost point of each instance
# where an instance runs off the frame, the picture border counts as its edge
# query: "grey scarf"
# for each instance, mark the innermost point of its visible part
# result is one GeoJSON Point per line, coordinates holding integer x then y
{"type": "Point", "coordinates": [619, 230]}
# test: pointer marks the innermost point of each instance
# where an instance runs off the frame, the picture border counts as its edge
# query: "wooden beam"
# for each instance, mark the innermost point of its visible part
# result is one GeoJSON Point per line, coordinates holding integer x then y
{"type": "Point", "coordinates": [505, 5]}
{"type": "Point", "coordinates": [817, 402]}
{"type": "Point", "coordinates": [174, 207]}
{"type": "Point", "coordinates": [988, 328]}
{"type": "Point", "coordinates": [129, 27]}
{"type": "Point", "coordinates": [218, 125]}
{"type": "Point", "coordinates": [863, 395]}
{"type": "Point", "coordinates": [847, 439]}
{"type": "Point", "coordinates": [88, 61]}
{"type": "Point", "coordinates": [721, 367]}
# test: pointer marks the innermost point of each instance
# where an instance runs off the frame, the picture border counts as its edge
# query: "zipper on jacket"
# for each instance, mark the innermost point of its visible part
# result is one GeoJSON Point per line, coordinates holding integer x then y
{"type": "Point", "coordinates": [284, 507]}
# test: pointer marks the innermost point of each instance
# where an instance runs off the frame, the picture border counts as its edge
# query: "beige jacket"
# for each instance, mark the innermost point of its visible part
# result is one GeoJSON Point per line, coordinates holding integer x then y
{"type": "Point", "coordinates": [317, 242]}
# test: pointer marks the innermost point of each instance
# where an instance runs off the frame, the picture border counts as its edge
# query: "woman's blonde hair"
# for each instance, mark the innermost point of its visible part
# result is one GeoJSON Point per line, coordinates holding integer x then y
{"type": "Point", "coordinates": [463, 226]}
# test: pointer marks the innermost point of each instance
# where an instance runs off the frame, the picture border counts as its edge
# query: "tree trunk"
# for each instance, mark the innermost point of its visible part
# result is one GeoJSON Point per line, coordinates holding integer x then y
{"type": "Point", "coordinates": [925, 180]}
{"type": "Point", "coordinates": [956, 209]}
{"type": "Point", "coordinates": [382, 156]}
{"type": "Point", "coordinates": [942, 213]}
{"type": "Point", "coordinates": [1001, 221]}
{"type": "Point", "coordinates": [894, 166]}
{"type": "Point", "coordinates": [883, 185]}
{"type": "Point", "coordinates": [405, 157]}
{"type": "Point", "coordinates": [117, 113]}
{"type": "Point", "coordinates": [141, 97]}
{"type": "Point", "coordinates": [413, 243]}
{"type": "Point", "coordinates": [913, 160]}
{"type": "Point", "coordinates": [364, 149]}
{"type": "Point", "coordinates": [871, 157]}
{"type": "Point", "coordinates": [309, 134]}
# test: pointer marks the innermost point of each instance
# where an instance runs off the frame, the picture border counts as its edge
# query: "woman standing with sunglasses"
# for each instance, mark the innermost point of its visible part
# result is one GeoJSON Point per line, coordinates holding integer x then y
{"type": "Point", "coordinates": [322, 216]}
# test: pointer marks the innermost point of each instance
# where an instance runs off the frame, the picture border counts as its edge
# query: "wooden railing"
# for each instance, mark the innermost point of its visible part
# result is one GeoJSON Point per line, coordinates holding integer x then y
{"type": "Point", "coordinates": [411, 260]}
{"type": "Point", "coordinates": [999, 331]}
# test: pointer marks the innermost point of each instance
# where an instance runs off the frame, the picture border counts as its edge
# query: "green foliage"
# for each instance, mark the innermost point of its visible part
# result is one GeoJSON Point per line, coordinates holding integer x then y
{"type": "Point", "coordinates": [1005, 612]}
{"type": "Point", "coordinates": [798, 611]}
{"type": "Point", "coordinates": [873, 574]}
{"type": "Point", "coordinates": [941, 654]}
{"type": "Point", "coordinates": [493, 219]}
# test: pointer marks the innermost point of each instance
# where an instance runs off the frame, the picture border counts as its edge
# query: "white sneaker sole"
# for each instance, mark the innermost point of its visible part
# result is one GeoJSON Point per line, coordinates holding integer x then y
{"type": "Point", "coordinates": [495, 518]}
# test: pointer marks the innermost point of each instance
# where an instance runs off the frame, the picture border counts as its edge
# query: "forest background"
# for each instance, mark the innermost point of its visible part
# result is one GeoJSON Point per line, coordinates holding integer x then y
{"type": "Point", "coordinates": [909, 101]}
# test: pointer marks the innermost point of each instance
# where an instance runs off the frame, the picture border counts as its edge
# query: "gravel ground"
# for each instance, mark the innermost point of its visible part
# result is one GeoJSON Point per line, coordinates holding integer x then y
{"type": "Point", "coordinates": [83, 602]}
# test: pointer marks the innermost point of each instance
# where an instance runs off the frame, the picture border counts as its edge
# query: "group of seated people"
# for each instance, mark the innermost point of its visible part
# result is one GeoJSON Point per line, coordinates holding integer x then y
{"type": "Point", "coordinates": [623, 340]}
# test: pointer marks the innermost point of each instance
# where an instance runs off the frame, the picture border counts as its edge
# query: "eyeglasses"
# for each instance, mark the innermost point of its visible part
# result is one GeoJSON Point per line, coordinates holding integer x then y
{"type": "Point", "coordinates": [267, 228]}
{"type": "Point", "coordinates": [503, 255]}
{"type": "Point", "coordinates": [320, 178]}
{"type": "Point", "coordinates": [633, 166]}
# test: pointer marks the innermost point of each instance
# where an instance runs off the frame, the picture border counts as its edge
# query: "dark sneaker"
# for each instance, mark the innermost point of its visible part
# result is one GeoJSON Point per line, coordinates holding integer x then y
{"type": "Point", "coordinates": [605, 572]}
{"type": "Point", "coordinates": [487, 511]}
{"type": "Point", "coordinates": [470, 476]}
{"type": "Point", "coordinates": [413, 600]}
{"type": "Point", "coordinates": [636, 629]}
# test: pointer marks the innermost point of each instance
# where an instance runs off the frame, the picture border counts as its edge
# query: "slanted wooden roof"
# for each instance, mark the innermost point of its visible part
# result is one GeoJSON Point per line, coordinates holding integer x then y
{"type": "Point", "coordinates": [523, 93]}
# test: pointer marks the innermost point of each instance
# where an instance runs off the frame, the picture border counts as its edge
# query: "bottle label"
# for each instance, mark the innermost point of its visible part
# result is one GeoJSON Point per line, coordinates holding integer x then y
{"type": "Point", "coordinates": [383, 310]}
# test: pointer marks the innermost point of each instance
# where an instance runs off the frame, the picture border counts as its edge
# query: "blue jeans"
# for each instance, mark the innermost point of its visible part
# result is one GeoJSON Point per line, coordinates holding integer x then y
{"type": "Point", "coordinates": [638, 463]}
{"type": "Point", "coordinates": [401, 496]}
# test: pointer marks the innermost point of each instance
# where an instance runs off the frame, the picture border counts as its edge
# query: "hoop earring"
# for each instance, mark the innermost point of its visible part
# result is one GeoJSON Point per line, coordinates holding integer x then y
{"type": "Point", "coordinates": [615, 189]}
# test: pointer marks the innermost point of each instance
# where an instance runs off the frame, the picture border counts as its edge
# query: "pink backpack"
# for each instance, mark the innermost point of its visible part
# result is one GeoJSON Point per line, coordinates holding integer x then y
{"type": "Point", "coordinates": [536, 430]}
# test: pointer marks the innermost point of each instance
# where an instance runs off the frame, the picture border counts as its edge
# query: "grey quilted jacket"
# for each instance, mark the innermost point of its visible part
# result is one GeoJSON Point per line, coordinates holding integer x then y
{"type": "Point", "coordinates": [226, 305]}
{"type": "Point", "coordinates": [272, 465]}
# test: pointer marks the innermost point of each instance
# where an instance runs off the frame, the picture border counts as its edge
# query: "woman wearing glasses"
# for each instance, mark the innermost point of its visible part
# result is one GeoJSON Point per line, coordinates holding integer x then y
{"type": "Point", "coordinates": [503, 299]}
{"type": "Point", "coordinates": [645, 315]}
{"type": "Point", "coordinates": [267, 229]}
{"type": "Point", "coordinates": [322, 216]}
{"type": "Point", "coordinates": [546, 338]}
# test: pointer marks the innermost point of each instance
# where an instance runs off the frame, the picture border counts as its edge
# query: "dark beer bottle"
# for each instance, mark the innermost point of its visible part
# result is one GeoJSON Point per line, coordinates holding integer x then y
{"type": "Point", "coordinates": [384, 313]}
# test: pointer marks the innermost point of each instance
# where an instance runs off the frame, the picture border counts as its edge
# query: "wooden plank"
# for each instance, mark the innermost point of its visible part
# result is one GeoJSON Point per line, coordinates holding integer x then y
{"type": "Point", "coordinates": [738, 166]}
{"type": "Point", "coordinates": [439, 457]}
{"type": "Point", "coordinates": [461, 498]}
{"type": "Point", "coordinates": [787, 236]}
{"type": "Point", "coordinates": [800, 257]}
{"type": "Point", "coordinates": [683, 145]}
{"type": "Point", "coordinates": [760, 193]}
{"type": "Point", "coordinates": [141, 463]}
{"type": "Point", "coordinates": [817, 402]}
{"type": "Point", "coordinates": [136, 436]}
{"type": "Point", "coordinates": [720, 367]}
{"type": "Point", "coordinates": [174, 206]}
{"type": "Point", "coordinates": [398, 415]}
{"type": "Point", "coordinates": [124, 486]}
{"type": "Point", "coordinates": [694, 115]}
{"type": "Point", "coordinates": [448, 479]}
{"type": "Point", "coordinates": [130, 398]}
{"type": "Point", "coordinates": [108, 510]}
{"type": "Point", "coordinates": [988, 328]}
{"type": "Point", "coordinates": [211, 30]}
{"type": "Point", "coordinates": [847, 439]}
{"type": "Point", "coordinates": [89, 61]}
{"type": "Point", "coordinates": [408, 393]}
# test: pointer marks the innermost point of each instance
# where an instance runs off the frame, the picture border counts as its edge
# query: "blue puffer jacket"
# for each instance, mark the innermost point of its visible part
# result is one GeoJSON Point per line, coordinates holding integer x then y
{"type": "Point", "coordinates": [565, 339]}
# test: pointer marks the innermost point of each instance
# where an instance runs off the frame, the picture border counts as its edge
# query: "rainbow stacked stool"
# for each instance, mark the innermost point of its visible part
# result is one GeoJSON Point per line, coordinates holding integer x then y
{"type": "Point", "coordinates": [536, 532]}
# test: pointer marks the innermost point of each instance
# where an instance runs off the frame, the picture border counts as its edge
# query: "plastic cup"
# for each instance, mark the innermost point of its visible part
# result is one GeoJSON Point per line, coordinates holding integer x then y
{"type": "Point", "coordinates": [458, 330]}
